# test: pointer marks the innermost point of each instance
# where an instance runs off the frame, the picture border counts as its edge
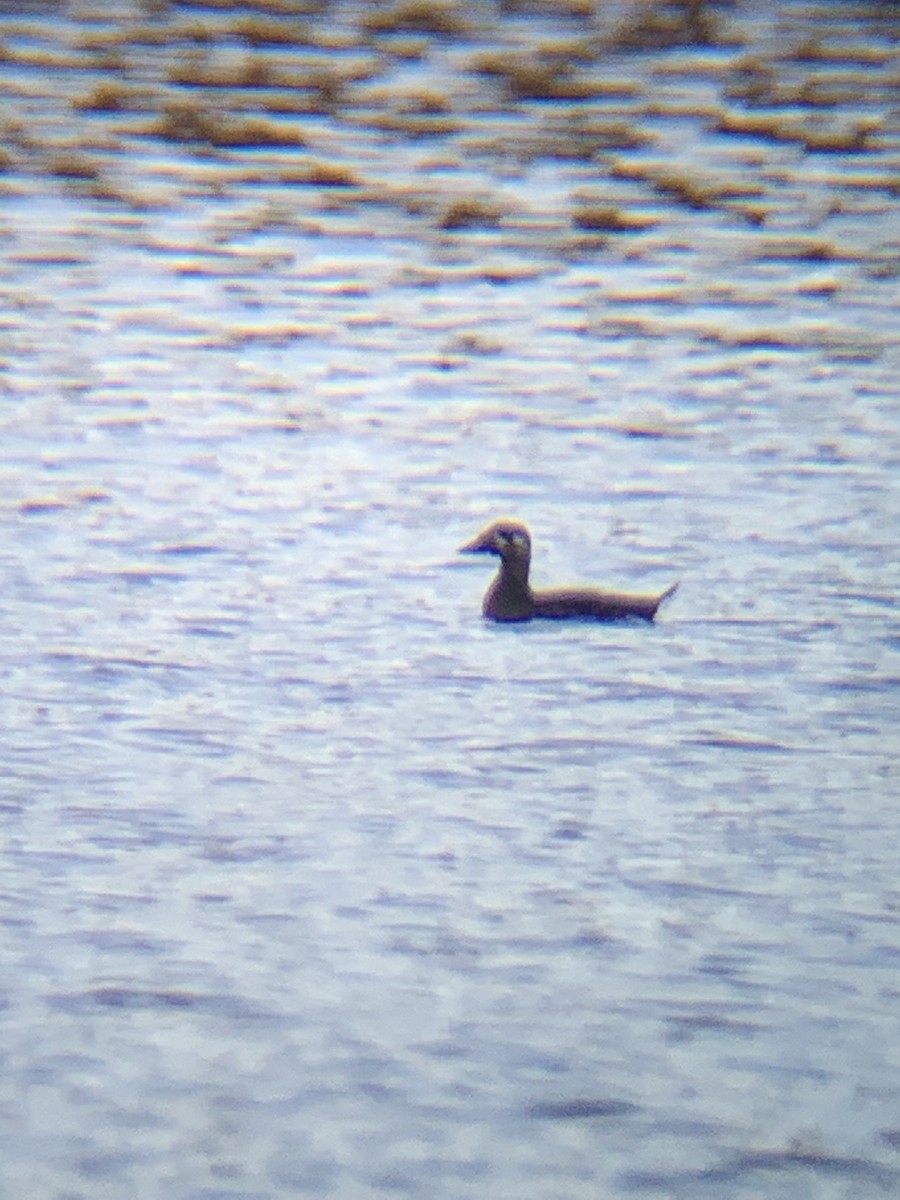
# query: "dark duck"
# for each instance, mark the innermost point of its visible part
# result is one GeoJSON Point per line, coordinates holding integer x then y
{"type": "Point", "coordinates": [511, 598]}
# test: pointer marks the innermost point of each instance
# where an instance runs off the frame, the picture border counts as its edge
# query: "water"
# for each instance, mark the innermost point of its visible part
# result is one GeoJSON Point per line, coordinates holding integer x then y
{"type": "Point", "coordinates": [313, 883]}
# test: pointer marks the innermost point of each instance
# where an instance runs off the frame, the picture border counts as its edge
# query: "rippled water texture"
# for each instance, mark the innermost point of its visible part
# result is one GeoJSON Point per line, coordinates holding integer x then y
{"type": "Point", "coordinates": [313, 883]}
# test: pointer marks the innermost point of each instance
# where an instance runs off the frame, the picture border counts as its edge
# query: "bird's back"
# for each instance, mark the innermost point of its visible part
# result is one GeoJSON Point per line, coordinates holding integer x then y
{"type": "Point", "coordinates": [596, 603]}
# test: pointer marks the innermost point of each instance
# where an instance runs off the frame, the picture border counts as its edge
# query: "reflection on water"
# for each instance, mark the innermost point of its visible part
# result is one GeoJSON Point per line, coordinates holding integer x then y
{"type": "Point", "coordinates": [312, 882]}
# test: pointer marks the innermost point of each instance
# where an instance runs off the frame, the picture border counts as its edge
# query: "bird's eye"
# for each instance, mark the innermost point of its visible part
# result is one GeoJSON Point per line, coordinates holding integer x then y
{"type": "Point", "coordinates": [519, 540]}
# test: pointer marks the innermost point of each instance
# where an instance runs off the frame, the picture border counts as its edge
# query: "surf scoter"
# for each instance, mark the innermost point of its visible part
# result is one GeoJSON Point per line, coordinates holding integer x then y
{"type": "Point", "coordinates": [511, 598]}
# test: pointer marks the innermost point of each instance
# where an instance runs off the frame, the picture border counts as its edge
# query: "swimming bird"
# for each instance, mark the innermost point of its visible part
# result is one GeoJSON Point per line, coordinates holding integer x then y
{"type": "Point", "coordinates": [511, 598]}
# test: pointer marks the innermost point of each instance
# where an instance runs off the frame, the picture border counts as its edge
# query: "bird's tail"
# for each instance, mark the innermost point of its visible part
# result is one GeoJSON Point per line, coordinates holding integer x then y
{"type": "Point", "coordinates": [670, 591]}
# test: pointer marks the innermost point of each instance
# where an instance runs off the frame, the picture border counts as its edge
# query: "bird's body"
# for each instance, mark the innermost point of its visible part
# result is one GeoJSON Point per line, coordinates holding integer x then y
{"type": "Point", "coordinates": [511, 598]}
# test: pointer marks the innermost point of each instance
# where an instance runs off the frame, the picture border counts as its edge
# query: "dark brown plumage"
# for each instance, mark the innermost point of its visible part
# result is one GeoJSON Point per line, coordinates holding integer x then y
{"type": "Point", "coordinates": [511, 598]}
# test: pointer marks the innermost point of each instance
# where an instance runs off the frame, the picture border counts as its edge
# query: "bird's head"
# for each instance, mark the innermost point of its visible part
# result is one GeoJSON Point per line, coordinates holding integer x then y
{"type": "Point", "coordinates": [509, 539]}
